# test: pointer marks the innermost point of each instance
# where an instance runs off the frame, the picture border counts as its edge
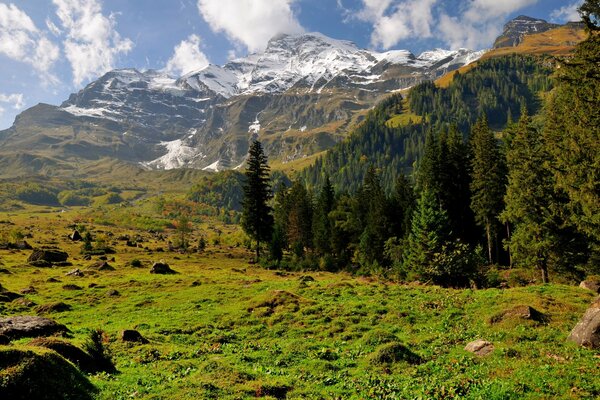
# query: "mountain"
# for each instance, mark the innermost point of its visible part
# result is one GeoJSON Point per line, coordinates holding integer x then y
{"type": "Point", "coordinates": [300, 96]}
{"type": "Point", "coordinates": [516, 29]}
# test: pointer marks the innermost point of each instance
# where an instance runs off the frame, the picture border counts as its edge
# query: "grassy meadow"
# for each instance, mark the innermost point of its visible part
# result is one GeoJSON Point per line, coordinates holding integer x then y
{"type": "Point", "coordinates": [224, 328]}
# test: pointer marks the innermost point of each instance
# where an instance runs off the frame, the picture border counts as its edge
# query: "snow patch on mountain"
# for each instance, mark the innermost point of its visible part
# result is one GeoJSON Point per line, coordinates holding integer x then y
{"type": "Point", "coordinates": [178, 155]}
{"type": "Point", "coordinates": [212, 167]}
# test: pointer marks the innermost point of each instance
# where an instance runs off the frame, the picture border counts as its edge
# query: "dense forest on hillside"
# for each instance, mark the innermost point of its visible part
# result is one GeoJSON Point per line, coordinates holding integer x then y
{"type": "Point", "coordinates": [477, 182]}
{"type": "Point", "coordinates": [497, 88]}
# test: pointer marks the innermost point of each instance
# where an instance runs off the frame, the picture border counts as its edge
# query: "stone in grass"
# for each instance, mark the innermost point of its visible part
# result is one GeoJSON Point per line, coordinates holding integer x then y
{"type": "Point", "coordinates": [30, 326]}
{"type": "Point", "coordinates": [113, 293]}
{"type": "Point", "coordinates": [71, 286]}
{"type": "Point", "coordinates": [593, 285]}
{"type": "Point", "coordinates": [29, 290]}
{"type": "Point", "coordinates": [75, 272]}
{"type": "Point", "coordinates": [521, 312]}
{"type": "Point", "coordinates": [480, 347]}
{"type": "Point", "coordinates": [52, 308]}
{"type": "Point", "coordinates": [101, 266]}
{"type": "Point", "coordinates": [394, 352]}
{"type": "Point", "coordinates": [7, 296]}
{"type": "Point", "coordinates": [161, 268]}
{"type": "Point", "coordinates": [131, 335]}
{"type": "Point", "coordinates": [587, 331]}
{"type": "Point", "coordinates": [50, 255]}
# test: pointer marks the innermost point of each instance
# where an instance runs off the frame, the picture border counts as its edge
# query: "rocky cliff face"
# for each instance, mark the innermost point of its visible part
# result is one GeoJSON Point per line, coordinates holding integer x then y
{"type": "Point", "coordinates": [516, 29]}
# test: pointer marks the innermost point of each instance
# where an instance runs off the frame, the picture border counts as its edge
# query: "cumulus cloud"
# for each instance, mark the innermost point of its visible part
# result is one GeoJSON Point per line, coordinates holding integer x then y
{"type": "Point", "coordinates": [473, 24]}
{"type": "Point", "coordinates": [16, 99]}
{"type": "Point", "coordinates": [92, 44]}
{"type": "Point", "coordinates": [250, 22]}
{"type": "Point", "coordinates": [479, 24]}
{"type": "Point", "coordinates": [187, 57]}
{"type": "Point", "coordinates": [22, 41]}
{"type": "Point", "coordinates": [567, 13]}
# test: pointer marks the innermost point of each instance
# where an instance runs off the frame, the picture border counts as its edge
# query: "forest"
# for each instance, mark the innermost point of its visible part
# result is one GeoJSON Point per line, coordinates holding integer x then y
{"type": "Point", "coordinates": [501, 171]}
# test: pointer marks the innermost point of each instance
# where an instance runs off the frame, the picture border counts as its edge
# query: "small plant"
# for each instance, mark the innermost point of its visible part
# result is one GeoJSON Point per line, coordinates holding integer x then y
{"type": "Point", "coordinates": [136, 263]}
{"type": "Point", "coordinates": [95, 347]}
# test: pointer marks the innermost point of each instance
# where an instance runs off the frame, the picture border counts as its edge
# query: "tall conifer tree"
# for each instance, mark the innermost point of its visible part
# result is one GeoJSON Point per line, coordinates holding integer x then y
{"type": "Point", "coordinates": [257, 218]}
{"type": "Point", "coordinates": [488, 177]}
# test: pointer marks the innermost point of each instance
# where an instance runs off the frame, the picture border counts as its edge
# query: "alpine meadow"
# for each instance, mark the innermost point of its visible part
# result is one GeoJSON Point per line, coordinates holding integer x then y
{"type": "Point", "coordinates": [311, 219]}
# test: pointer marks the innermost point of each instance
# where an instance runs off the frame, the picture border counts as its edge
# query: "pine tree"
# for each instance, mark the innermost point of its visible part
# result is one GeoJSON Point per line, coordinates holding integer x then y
{"type": "Point", "coordinates": [531, 201]}
{"type": "Point", "coordinates": [488, 177]}
{"type": "Point", "coordinates": [572, 130]}
{"type": "Point", "coordinates": [299, 219]}
{"type": "Point", "coordinates": [429, 233]}
{"type": "Point", "coordinates": [322, 227]}
{"type": "Point", "coordinates": [257, 220]}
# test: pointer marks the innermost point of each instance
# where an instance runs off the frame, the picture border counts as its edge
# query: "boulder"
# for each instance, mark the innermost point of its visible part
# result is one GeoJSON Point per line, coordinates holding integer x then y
{"type": "Point", "coordinates": [592, 285]}
{"type": "Point", "coordinates": [49, 255]}
{"type": "Point", "coordinates": [130, 335]}
{"type": "Point", "coordinates": [587, 331]}
{"type": "Point", "coordinates": [52, 307]}
{"type": "Point", "coordinates": [161, 268]}
{"type": "Point", "coordinates": [522, 312]}
{"type": "Point", "coordinates": [29, 290]}
{"type": "Point", "coordinates": [7, 296]}
{"type": "Point", "coordinates": [101, 266]}
{"type": "Point", "coordinates": [71, 286]}
{"type": "Point", "coordinates": [75, 272]}
{"type": "Point", "coordinates": [480, 347]}
{"type": "Point", "coordinates": [75, 236]}
{"type": "Point", "coordinates": [29, 326]}
{"type": "Point", "coordinates": [113, 293]}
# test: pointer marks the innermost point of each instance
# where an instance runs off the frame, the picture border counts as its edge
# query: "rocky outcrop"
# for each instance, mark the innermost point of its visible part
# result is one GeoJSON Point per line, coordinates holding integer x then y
{"type": "Point", "coordinates": [30, 326]}
{"type": "Point", "coordinates": [587, 331]}
{"type": "Point", "coordinates": [480, 347]}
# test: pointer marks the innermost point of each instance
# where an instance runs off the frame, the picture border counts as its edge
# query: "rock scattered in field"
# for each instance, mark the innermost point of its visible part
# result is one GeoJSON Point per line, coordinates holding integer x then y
{"type": "Point", "coordinates": [71, 286]}
{"type": "Point", "coordinates": [5, 271]}
{"type": "Point", "coordinates": [29, 326]}
{"type": "Point", "coordinates": [520, 312]}
{"type": "Point", "coordinates": [161, 268]}
{"type": "Point", "coordinates": [75, 236]}
{"type": "Point", "coordinates": [113, 293]}
{"type": "Point", "coordinates": [131, 335]}
{"type": "Point", "coordinates": [480, 347]}
{"type": "Point", "coordinates": [75, 272]}
{"type": "Point", "coordinates": [306, 278]}
{"type": "Point", "coordinates": [52, 280]}
{"type": "Point", "coordinates": [587, 331]}
{"type": "Point", "coordinates": [22, 301]}
{"type": "Point", "coordinates": [28, 290]}
{"type": "Point", "coordinates": [49, 255]}
{"type": "Point", "coordinates": [8, 296]}
{"type": "Point", "coordinates": [593, 285]}
{"type": "Point", "coordinates": [52, 307]}
{"type": "Point", "coordinates": [101, 266]}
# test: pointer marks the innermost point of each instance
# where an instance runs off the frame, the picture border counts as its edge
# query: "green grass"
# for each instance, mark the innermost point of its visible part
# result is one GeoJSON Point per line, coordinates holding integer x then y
{"type": "Point", "coordinates": [403, 120]}
{"type": "Point", "coordinates": [222, 328]}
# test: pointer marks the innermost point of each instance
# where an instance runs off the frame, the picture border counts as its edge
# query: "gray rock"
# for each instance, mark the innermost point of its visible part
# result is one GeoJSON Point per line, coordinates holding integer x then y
{"type": "Point", "coordinates": [587, 331]}
{"type": "Point", "coordinates": [130, 335]}
{"type": "Point", "coordinates": [29, 326]}
{"type": "Point", "coordinates": [49, 255]}
{"type": "Point", "coordinates": [480, 347]}
{"type": "Point", "coordinates": [161, 268]}
{"type": "Point", "coordinates": [592, 285]}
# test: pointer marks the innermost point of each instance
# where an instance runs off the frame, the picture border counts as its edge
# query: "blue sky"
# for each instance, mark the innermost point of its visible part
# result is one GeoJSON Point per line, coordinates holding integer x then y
{"type": "Point", "coordinates": [51, 48]}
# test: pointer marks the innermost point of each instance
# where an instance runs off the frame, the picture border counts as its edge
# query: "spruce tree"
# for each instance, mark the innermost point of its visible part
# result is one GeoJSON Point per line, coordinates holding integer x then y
{"type": "Point", "coordinates": [299, 219]}
{"type": "Point", "coordinates": [428, 236]}
{"type": "Point", "coordinates": [488, 177]}
{"type": "Point", "coordinates": [572, 130]}
{"type": "Point", "coordinates": [257, 220]}
{"type": "Point", "coordinates": [531, 201]}
{"type": "Point", "coordinates": [322, 227]}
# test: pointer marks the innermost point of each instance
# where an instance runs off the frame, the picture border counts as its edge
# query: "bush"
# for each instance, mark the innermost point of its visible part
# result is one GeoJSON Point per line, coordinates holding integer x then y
{"type": "Point", "coordinates": [71, 198]}
{"type": "Point", "coordinates": [36, 194]}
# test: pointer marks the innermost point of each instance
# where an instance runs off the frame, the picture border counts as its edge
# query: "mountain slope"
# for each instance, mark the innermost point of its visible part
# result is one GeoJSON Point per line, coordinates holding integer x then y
{"type": "Point", "coordinates": [300, 96]}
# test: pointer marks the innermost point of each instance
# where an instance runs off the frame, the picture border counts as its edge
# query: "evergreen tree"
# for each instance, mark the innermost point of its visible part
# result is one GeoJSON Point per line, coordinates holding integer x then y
{"type": "Point", "coordinates": [428, 175]}
{"type": "Point", "coordinates": [402, 207]}
{"type": "Point", "coordinates": [322, 227]}
{"type": "Point", "coordinates": [257, 220]}
{"type": "Point", "coordinates": [488, 178]}
{"type": "Point", "coordinates": [531, 201]}
{"type": "Point", "coordinates": [572, 130]}
{"type": "Point", "coordinates": [428, 236]}
{"type": "Point", "coordinates": [299, 218]}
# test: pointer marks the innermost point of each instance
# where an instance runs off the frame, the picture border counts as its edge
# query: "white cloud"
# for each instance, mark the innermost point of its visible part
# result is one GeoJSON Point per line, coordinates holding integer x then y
{"type": "Point", "coordinates": [92, 44]}
{"type": "Point", "coordinates": [16, 99]}
{"type": "Point", "coordinates": [22, 41]}
{"type": "Point", "coordinates": [410, 19]}
{"type": "Point", "coordinates": [567, 13]}
{"type": "Point", "coordinates": [250, 22]}
{"type": "Point", "coordinates": [52, 27]}
{"type": "Point", "coordinates": [187, 57]}
{"type": "Point", "coordinates": [479, 24]}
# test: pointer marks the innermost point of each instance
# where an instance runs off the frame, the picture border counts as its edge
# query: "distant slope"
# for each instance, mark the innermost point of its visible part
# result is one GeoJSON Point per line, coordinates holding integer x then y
{"type": "Point", "coordinates": [557, 42]}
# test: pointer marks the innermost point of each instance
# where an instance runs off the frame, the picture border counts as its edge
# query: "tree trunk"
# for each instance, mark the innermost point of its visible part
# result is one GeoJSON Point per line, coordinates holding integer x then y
{"type": "Point", "coordinates": [510, 260]}
{"type": "Point", "coordinates": [544, 269]}
{"type": "Point", "coordinates": [257, 249]}
{"type": "Point", "coordinates": [489, 241]}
